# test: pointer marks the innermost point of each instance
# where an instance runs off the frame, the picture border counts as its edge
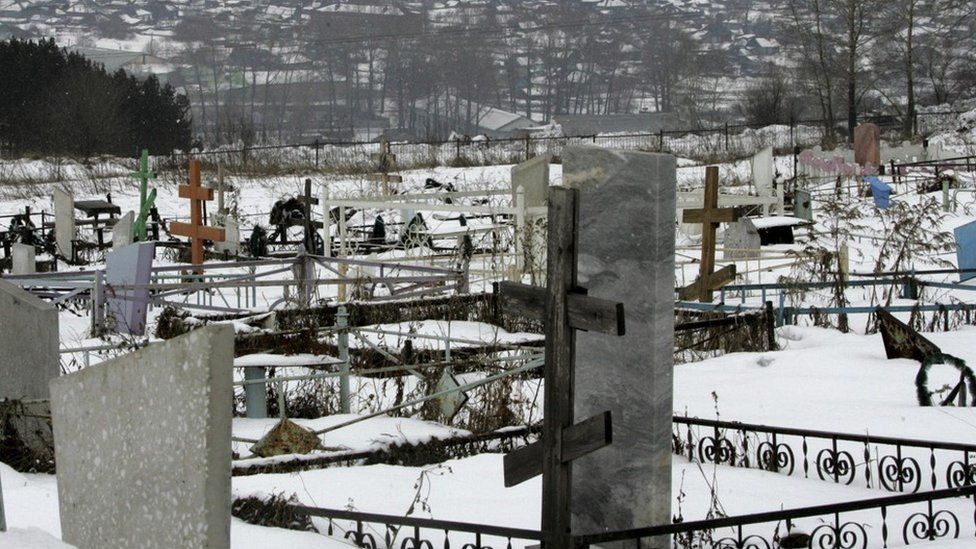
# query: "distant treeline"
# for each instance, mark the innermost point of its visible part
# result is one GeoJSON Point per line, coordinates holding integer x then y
{"type": "Point", "coordinates": [55, 102]}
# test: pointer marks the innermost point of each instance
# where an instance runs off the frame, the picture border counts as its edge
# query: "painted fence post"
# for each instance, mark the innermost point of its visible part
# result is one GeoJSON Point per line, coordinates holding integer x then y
{"type": "Point", "coordinates": [326, 222]}
{"type": "Point", "coordinates": [97, 303]}
{"type": "Point", "coordinates": [520, 231]}
{"type": "Point", "coordinates": [342, 324]}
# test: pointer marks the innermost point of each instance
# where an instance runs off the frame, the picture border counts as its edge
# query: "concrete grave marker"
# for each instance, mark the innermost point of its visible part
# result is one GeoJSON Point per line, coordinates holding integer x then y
{"type": "Point", "coordinates": [126, 309]}
{"type": "Point", "coordinates": [143, 446]}
{"type": "Point", "coordinates": [23, 259]}
{"type": "Point", "coordinates": [64, 222]}
{"type": "Point", "coordinates": [29, 356]}
{"type": "Point", "coordinates": [742, 240]}
{"type": "Point", "coordinates": [123, 231]}
{"type": "Point", "coordinates": [763, 171]}
{"type": "Point", "coordinates": [533, 176]}
{"type": "Point", "coordinates": [232, 237]}
{"type": "Point", "coordinates": [29, 359]}
{"type": "Point", "coordinates": [867, 146]}
{"type": "Point", "coordinates": [626, 242]}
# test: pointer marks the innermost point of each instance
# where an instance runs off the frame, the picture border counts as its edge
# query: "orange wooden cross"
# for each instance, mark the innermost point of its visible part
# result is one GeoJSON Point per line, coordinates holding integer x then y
{"type": "Point", "coordinates": [195, 230]}
{"type": "Point", "coordinates": [710, 216]}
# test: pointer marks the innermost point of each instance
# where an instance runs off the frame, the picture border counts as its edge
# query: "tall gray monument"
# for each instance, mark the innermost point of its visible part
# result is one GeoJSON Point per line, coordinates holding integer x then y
{"type": "Point", "coordinates": [626, 252]}
{"type": "Point", "coordinates": [64, 222]}
{"type": "Point", "coordinates": [143, 446]}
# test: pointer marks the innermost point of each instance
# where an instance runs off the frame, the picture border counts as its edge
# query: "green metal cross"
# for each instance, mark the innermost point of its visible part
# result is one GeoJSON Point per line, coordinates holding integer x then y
{"type": "Point", "coordinates": [146, 199]}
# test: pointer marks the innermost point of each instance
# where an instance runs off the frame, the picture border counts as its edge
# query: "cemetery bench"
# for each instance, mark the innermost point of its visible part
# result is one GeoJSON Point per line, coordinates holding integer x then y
{"type": "Point", "coordinates": [255, 383]}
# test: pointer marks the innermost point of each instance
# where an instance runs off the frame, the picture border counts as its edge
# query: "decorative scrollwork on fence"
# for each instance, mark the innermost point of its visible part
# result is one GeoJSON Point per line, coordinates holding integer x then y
{"type": "Point", "coordinates": [836, 465]}
{"type": "Point", "coordinates": [716, 450]}
{"type": "Point", "coordinates": [930, 526]}
{"type": "Point", "coordinates": [960, 473]}
{"type": "Point", "coordinates": [898, 473]}
{"type": "Point", "coordinates": [362, 539]}
{"type": "Point", "coordinates": [415, 542]}
{"type": "Point", "coordinates": [776, 458]}
{"type": "Point", "coordinates": [748, 542]}
{"type": "Point", "coordinates": [850, 535]}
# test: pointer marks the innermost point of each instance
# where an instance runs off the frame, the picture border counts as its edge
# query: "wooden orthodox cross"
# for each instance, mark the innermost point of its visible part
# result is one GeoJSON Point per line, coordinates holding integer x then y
{"type": "Point", "coordinates": [195, 230]}
{"type": "Point", "coordinates": [385, 162]}
{"type": "Point", "coordinates": [710, 215]}
{"type": "Point", "coordinates": [564, 307]}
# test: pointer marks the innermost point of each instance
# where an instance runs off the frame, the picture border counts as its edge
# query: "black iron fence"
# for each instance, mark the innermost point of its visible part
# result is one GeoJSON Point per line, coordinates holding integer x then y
{"type": "Point", "coordinates": [876, 522]}
{"type": "Point", "coordinates": [908, 518]}
{"type": "Point", "coordinates": [888, 463]}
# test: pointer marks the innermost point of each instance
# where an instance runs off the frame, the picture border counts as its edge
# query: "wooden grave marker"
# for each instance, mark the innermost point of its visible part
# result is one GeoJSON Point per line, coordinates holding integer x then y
{"type": "Point", "coordinates": [564, 307]}
{"type": "Point", "coordinates": [385, 162]}
{"type": "Point", "coordinates": [710, 216]}
{"type": "Point", "coordinates": [195, 230]}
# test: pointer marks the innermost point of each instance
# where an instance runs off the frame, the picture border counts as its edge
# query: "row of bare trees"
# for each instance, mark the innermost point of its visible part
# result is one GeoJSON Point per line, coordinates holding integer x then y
{"type": "Point", "coordinates": [837, 59]}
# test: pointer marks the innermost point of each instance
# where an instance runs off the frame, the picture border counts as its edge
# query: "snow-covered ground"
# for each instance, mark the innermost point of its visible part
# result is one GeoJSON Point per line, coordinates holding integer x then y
{"type": "Point", "coordinates": [819, 379]}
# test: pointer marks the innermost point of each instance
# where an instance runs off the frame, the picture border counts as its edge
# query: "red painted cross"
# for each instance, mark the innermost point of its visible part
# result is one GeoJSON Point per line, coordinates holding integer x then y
{"type": "Point", "coordinates": [195, 230]}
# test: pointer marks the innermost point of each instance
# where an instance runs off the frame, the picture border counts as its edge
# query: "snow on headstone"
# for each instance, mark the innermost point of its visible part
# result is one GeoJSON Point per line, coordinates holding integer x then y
{"type": "Point", "coordinates": [628, 483]}
{"type": "Point", "coordinates": [143, 446]}
{"type": "Point", "coordinates": [763, 172]}
{"type": "Point", "coordinates": [122, 231]}
{"type": "Point", "coordinates": [533, 176]}
{"type": "Point", "coordinates": [64, 222]}
{"type": "Point", "coordinates": [23, 259]}
{"type": "Point", "coordinates": [126, 308]}
{"type": "Point", "coordinates": [742, 240]}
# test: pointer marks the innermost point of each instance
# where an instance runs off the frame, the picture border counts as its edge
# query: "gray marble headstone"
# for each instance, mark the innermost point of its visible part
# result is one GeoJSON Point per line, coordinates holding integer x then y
{"type": "Point", "coordinates": [533, 176]}
{"type": "Point", "coordinates": [742, 240]}
{"type": "Point", "coordinates": [626, 253]}
{"type": "Point", "coordinates": [123, 232]}
{"type": "Point", "coordinates": [763, 172]}
{"type": "Point", "coordinates": [64, 221]}
{"type": "Point", "coordinates": [29, 356]}
{"type": "Point", "coordinates": [143, 446]}
{"type": "Point", "coordinates": [232, 237]}
{"type": "Point", "coordinates": [23, 259]}
{"type": "Point", "coordinates": [126, 308]}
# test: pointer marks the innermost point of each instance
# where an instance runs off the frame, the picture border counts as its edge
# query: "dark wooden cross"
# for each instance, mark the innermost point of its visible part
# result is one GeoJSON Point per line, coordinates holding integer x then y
{"type": "Point", "coordinates": [564, 307]}
{"type": "Point", "coordinates": [385, 162]}
{"type": "Point", "coordinates": [195, 230]}
{"type": "Point", "coordinates": [710, 216]}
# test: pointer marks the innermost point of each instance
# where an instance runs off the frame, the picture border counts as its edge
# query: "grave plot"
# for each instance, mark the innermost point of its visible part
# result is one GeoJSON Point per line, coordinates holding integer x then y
{"type": "Point", "coordinates": [385, 393]}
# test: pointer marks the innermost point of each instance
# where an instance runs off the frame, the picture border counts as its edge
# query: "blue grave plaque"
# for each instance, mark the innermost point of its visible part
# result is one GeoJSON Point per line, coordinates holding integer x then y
{"type": "Point", "coordinates": [966, 249]}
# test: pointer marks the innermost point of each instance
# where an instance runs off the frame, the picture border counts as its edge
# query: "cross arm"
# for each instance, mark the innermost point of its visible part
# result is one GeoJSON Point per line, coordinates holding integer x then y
{"type": "Point", "coordinates": [720, 215]}
{"type": "Point", "coordinates": [585, 312]}
{"type": "Point", "coordinates": [579, 440]}
{"type": "Point", "coordinates": [714, 281]}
